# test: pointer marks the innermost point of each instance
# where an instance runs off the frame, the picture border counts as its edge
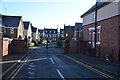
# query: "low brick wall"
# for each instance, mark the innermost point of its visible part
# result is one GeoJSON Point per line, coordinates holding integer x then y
{"type": "Point", "coordinates": [76, 46]}
{"type": "Point", "coordinates": [73, 45]}
{"type": "Point", "coordinates": [18, 46]}
{"type": "Point", "coordinates": [63, 44]}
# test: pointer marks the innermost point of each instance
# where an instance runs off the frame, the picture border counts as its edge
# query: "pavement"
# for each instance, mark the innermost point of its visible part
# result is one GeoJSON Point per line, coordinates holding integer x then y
{"type": "Point", "coordinates": [112, 68]}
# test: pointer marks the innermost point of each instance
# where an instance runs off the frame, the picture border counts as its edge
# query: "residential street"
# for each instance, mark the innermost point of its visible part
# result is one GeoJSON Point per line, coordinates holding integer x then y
{"type": "Point", "coordinates": [51, 63]}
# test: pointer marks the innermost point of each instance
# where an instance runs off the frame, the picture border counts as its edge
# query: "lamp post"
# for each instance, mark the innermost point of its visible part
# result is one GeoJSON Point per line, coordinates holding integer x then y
{"type": "Point", "coordinates": [96, 28]}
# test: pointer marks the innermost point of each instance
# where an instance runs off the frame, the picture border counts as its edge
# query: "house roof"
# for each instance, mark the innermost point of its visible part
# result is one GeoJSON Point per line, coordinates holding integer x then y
{"type": "Point", "coordinates": [69, 27]}
{"type": "Point", "coordinates": [26, 25]}
{"type": "Point", "coordinates": [11, 21]}
{"type": "Point", "coordinates": [34, 29]}
{"type": "Point", "coordinates": [78, 25]}
{"type": "Point", "coordinates": [92, 9]}
{"type": "Point", "coordinates": [40, 30]}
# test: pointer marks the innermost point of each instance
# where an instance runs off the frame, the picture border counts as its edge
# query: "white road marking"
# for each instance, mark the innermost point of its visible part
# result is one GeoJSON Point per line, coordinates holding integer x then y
{"type": "Point", "coordinates": [31, 77]}
{"type": "Point", "coordinates": [31, 68]}
{"type": "Point", "coordinates": [32, 65]}
{"type": "Point", "coordinates": [60, 74]}
{"type": "Point", "coordinates": [10, 67]}
{"type": "Point", "coordinates": [32, 73]}
{"type": "Point", "coordinates": [18, 69]}
{"type": "Point", "coordinates": [52, 61]}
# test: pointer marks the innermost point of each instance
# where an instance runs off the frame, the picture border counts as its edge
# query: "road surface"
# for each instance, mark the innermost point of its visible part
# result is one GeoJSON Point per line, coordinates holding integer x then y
{"type": "Point", "coordinates": [52, 63]}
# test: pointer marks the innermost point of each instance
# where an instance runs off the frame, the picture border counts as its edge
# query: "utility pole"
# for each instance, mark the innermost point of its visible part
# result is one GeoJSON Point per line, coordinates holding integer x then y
{"type": "Point", "coordinates": [95, 28]}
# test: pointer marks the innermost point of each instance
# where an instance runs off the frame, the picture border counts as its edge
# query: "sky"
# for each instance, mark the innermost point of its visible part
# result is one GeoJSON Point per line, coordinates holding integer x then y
{"type": "Point", "coordinates": [47, 13]}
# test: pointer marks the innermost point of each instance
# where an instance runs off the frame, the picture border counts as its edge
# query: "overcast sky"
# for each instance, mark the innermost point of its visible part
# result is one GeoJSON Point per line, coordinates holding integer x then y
{"type": "Point", "coordinates": [47, 13]}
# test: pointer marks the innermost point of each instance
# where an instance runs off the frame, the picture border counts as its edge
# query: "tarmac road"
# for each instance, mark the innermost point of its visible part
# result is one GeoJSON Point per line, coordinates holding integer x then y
{"type": "Point", "coordinates": [51, 63]}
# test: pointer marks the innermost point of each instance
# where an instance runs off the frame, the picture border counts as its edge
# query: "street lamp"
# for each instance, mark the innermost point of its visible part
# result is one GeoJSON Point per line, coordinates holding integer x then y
{"type": "Point", "coordinates": [95, 27]}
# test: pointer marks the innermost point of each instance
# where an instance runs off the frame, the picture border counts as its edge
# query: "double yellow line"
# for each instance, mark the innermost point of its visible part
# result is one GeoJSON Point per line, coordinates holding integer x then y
{"type": "Point", "coordinates": [91, 68]}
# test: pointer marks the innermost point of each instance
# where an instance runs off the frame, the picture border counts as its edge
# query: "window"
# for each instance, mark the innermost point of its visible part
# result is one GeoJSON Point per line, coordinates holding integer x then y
{"type": "Point", "coordinates": [93, 17]}
{"type": "Point", "coordinates": [0, 30]}
{"type": "Point", "coordinates": [54, 31]}
{"type": "Point", "coordinates": [98, 34]}
{"type": "Point", "coordinates": [0, 24]}
{"type": "Point", "coordinates": [4, 30]}
{"type": "Point", "coordinates": [89, 37]}
{"type": "Point", "coordinates": [11, 30]}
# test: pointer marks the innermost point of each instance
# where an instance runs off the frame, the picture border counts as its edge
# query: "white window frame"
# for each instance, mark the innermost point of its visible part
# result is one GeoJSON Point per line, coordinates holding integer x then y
{"type": "Point", "coordinates": [49, 35]}
{"type": "Point", "coordinates": [4, 30]}
{"type": "Point", "coordinates": [92, 29]}
{"type": "Point", "coordinates": [98, 28]}
{"type": "Point", "coordinates": [94, 17]}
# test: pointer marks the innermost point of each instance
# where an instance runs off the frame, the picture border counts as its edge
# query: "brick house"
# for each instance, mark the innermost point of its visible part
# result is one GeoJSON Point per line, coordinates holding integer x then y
{"type": "Point", "coordinates": [108, 29]}
{"type": "Point", "coordinates": [35, 34]}
{"type": "Point", "coordinates": [78, 31]}
{"type": "Point", "coordinates": [69, 32]}
{"type": "Point", "coordinates": [12, 26]}
{"type": "Point", "coordinates": [41, 34]}
{"type": "Point", "coordinates": [27, 30]}
{"type": "Point", "coordinates": [50, 34]}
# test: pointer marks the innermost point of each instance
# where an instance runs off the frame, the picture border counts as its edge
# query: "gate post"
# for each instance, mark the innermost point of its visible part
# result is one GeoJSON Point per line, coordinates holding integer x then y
{"type": "Point", "coordinates": [66, 49]}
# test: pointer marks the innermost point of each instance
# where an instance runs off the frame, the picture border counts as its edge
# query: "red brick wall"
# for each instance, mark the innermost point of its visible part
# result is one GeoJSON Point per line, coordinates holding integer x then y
{"type": "Point", "coordinates": [70, 34]}
{"type": "Point", "coordinates": [109, 37]}
{"type": "Point", "coordinates": [8, 33]}
{"type": "Point", "coordinates": [18, 46]}
{"type": "Point", "coordinates": [63, 44]}
{"type": "Point", "coordinates": [73, 46]}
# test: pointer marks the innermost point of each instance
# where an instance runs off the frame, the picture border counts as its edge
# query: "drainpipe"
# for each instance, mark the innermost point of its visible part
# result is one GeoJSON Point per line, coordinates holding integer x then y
{"type": "Point", "coordinates": [95, 28]}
